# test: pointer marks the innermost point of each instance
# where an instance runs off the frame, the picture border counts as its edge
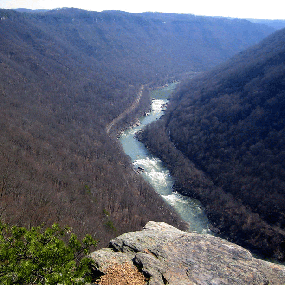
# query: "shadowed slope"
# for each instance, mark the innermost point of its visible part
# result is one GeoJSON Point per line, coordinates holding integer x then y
{"type": "Point", "coordinates": [229, 122]}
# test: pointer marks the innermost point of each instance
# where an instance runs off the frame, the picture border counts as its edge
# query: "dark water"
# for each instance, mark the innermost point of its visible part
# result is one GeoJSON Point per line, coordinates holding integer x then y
{"type": "Point", "coordinates": [156, 173]}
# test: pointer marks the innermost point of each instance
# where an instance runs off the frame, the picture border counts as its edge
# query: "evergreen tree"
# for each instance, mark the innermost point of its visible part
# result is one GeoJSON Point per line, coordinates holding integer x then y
{"type": "Point", "coordinates": [38, 256]}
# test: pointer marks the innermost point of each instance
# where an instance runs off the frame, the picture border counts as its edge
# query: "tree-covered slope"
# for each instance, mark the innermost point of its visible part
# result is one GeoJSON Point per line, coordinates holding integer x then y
{"type": "Point", "coordinates": [57, 162]}
{"type": "Point", "coordinates": [230, 123]}
{"type": "Point", "coordinates": [64, 76]}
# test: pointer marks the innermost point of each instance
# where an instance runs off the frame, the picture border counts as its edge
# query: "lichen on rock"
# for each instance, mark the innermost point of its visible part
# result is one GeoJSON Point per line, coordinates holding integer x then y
{"type": "Point", "coordinates": [166, 255]}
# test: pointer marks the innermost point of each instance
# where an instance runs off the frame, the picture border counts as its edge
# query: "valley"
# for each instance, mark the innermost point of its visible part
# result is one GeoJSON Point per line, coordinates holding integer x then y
{"type": "Point", "coordinates": [154, 171]}
{"type": "Point", "coordinates": [71, 80]}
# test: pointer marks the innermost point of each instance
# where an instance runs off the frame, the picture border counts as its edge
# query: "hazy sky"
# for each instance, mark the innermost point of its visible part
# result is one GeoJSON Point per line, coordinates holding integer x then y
{"type": "Point", "coordinates": [258, 9]}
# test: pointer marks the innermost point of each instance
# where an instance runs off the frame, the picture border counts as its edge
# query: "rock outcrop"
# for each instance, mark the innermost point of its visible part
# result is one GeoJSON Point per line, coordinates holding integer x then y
{"type": "Point", "coordinates": [166, 255]}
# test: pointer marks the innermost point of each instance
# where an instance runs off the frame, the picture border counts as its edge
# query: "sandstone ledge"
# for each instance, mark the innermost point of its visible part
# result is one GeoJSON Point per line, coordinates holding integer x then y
{"type": "Point", "coordinates": [166, 255]}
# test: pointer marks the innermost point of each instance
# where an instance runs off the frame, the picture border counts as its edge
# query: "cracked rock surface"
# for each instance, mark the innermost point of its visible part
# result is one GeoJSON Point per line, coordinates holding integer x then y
{"type": "Point", "coordinates": [166, 255]}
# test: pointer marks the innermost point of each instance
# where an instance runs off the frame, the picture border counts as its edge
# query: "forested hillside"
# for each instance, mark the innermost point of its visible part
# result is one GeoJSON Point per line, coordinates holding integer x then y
{"type": "Point", "coordinates": [64, 76]}
{"type": "Point", "coordinates": [276, 24]}
{"type": "Point", "coordinates": [228, 129]}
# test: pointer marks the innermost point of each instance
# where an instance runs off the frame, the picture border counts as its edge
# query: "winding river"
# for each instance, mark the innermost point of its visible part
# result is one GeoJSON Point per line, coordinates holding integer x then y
{"type": "Point", "coordinates": [156, 173]}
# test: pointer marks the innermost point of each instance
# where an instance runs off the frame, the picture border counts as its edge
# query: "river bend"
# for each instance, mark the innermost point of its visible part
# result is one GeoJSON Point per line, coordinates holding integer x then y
{"type": "Point", "coordinates": [156, 173]}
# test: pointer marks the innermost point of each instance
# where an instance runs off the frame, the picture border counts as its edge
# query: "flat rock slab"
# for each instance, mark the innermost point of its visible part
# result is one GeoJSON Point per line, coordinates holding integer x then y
{"type": "Point", "coordinates": [166, 255]}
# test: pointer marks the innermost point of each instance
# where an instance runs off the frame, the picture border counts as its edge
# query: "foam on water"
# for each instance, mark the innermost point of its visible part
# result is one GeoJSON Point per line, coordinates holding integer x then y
{"type": "Point", "coordinates": [158, 175]}
{"type": "Point", "coordinates": [157, 105]}
{"type": "Point", "coordinates": [190, 211]}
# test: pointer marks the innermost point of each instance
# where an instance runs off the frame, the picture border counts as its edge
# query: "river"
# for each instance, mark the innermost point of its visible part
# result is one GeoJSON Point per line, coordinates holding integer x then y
{"type": "Point", "coordinates": [156, 173]}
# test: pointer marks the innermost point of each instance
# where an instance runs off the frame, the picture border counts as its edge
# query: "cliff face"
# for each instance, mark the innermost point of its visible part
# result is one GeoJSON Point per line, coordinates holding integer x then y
{"type": "Point", "coordinates": [166, 255]}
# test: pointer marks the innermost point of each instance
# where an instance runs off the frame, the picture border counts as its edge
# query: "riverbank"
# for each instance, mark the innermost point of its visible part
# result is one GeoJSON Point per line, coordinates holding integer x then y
{"type": "Point", "coordinates": [155, 172]}
{"type": "Point", "coordinates": [134, 105]}
{"type": "Point", "coordinates": [228, 217]}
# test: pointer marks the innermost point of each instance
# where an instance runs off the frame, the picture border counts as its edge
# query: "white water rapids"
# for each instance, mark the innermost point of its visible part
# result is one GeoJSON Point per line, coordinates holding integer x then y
{"type": "Point", "coordinates": [156, 173]}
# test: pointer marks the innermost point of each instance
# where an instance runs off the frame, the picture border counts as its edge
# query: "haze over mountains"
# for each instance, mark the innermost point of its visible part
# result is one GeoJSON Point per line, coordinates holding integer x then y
{"type": "Point", "coordinates": [276, 24]}
{"type": "Point", "coordinates": [64, 76]}
{"type": "Point", "coordinates": [228, 125]}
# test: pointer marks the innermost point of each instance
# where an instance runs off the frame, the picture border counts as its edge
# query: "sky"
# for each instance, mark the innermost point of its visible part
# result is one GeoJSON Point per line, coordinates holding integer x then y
{"type": "Point", "coordinates": [257, 9]}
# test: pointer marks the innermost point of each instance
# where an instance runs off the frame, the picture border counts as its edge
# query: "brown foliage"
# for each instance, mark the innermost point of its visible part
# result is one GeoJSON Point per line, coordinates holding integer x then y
{"type": "Point", "coordinates": [64, 76]}
{"type": "Point", "coordinates": [229, 123]}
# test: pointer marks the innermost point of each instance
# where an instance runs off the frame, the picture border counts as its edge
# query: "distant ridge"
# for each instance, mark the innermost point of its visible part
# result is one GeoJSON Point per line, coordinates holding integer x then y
{"type": "Point", "coordinates": [25, 10]}
{"type": "Point", "coordinates": [276, 24]}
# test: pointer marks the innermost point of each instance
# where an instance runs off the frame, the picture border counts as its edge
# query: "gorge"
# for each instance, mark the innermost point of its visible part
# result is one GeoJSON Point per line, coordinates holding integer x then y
{"type": "Point", "coordinates": [153, 170]}
{"type": "Point", "coordinates": [66, 76]}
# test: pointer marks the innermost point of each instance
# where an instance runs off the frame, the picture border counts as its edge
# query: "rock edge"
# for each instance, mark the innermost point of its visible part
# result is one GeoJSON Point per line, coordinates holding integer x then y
{"type": "Point", "coordinates": [166, 255]}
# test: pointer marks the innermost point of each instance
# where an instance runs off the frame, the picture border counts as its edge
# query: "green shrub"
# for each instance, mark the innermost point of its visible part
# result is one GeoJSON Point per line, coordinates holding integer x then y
{"type": "Point", "coordinates": [105, 212]}
{"type": "Point", "coordinates": [38, 256]}
{"type": "Point", "coordinates": [110, 225]}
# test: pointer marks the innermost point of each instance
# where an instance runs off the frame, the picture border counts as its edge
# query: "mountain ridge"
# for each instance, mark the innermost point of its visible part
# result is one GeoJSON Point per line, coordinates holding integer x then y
{"type": "Point", "coordinates": [228, 126]}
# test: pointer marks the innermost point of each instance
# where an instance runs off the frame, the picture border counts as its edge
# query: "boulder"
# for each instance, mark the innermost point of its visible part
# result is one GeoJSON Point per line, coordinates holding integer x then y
{"type": "Point", "coordinates": [166, 255]}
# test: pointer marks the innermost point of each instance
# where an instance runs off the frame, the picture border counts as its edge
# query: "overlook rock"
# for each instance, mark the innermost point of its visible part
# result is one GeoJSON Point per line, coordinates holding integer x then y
{"type": "Point", "coordinates": [166, 255]}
